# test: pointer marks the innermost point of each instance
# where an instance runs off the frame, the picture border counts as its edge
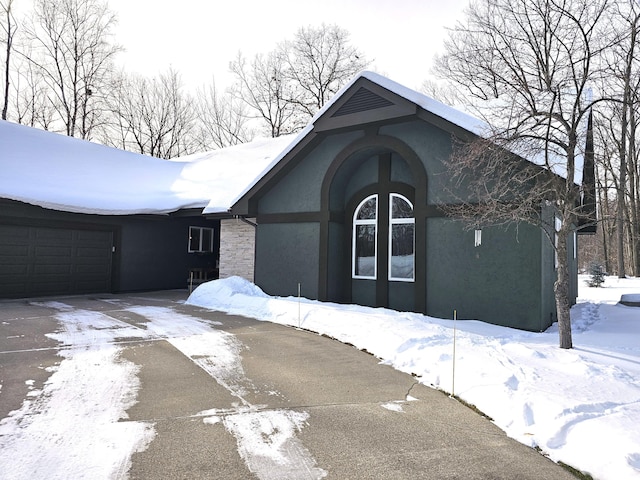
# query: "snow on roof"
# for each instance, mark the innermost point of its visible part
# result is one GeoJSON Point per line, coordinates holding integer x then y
{"type": "Point", "coordinates": [453, 115]}
{"type": "Point", "coordinates": [64, 173]}
{"type": "Point", "coordinates": [229, 170]}
{"type": "Point", "coordinates": [446, 112]}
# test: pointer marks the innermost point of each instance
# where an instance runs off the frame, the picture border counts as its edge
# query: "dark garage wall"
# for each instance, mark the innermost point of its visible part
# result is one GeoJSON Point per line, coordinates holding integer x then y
{"type": "Point", "coordinates": [151, 251]}
{"type": "Point", "coordinates": [154, 252]}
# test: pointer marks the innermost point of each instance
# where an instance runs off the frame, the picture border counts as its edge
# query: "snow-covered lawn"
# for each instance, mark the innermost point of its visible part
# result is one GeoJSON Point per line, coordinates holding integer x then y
{"type": "Point", "coordinates": [579, 406]}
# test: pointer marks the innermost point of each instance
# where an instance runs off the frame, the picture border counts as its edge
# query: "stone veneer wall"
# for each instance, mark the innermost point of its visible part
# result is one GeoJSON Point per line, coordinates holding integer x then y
{"type": "Point", "coordinates": [237, 249]}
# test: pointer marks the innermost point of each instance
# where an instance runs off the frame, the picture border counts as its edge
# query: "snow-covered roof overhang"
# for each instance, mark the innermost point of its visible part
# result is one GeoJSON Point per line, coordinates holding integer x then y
{"type": "Point", "coordinates": [63, 173]}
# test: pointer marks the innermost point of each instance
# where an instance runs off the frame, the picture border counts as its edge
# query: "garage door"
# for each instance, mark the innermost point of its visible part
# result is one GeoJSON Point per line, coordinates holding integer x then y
{"type": "Point", "coordinates": [37, 261]}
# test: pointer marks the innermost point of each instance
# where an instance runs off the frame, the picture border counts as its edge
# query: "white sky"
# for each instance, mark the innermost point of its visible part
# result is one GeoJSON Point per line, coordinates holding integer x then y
{"type": "Point", "coordinates": [199, 38]}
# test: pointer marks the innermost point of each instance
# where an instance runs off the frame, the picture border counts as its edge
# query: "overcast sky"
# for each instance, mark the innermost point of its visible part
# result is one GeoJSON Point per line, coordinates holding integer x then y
{"type": "Point", "coordinates": [199, 38]}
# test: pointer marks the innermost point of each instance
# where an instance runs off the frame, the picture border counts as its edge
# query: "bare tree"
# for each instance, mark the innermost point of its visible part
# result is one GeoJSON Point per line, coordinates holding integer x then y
{"type": "Point", "coordinates": [319, 61]}
{"type": "Point", "coordinates": [287, 86]}
{"type": "Point", "coordinates": [71, 41]}
{"type": "Point", "coordinates": [625, 69]}
{"type": "Point", "coordinates": [265, 89]}
{"type": "Point", "coordinates": [529, 65]}
{"type": "Point", "coordinates": [151, 116]}
{"type": "Point", "coordinates": [9, 30]}
{"type": "Point", "coordinates": [222, 119]}
{"type": "Point", "coordinates": [31, 103]}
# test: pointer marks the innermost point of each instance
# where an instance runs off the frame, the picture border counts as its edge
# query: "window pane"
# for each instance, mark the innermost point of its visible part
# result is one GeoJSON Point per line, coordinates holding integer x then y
{"type": "Point", "coordinates": [207, 239]}
{"type": "Point", "coordinates": [402, 258]}
{"type": "Point", "coordinates": [400, 208]}
{"type": "Point", "coordinates": [194, 239]}
{"type": "Point", "coordinates": [367, 210]}
{"type": "Point", "coordinates": [365, 254]}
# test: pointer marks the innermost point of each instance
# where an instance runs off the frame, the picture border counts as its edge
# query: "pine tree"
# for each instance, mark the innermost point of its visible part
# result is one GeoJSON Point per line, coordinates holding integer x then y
{"type": "Point", "coordinates": [596, 274]}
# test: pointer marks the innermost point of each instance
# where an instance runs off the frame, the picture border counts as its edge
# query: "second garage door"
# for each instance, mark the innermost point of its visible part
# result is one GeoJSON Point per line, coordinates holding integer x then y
{"type": "Point", "coordinates": [38, 261]}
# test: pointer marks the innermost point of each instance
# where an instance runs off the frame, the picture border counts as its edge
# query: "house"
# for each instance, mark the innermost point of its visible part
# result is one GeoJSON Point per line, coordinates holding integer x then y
{"type": "Point", "coordinates": [78, 217]}
{"type": "Point", "coordinates": [350, 212]}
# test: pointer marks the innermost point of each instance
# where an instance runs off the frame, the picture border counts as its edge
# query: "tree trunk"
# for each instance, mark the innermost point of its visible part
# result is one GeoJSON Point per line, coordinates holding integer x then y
{"type": "Point", "coordinates": [7, 62]}
{"type": "Point", "coordinates": [620, 213]}
{"type": "Point", "coordinates": [561, 288]}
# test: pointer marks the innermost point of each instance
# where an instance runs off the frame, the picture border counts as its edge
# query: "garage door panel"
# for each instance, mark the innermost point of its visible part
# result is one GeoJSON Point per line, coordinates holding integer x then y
{"type": "Point", "coordinates": [12, 254]}
{"type": "Point", "coordinates": [95, 270]}
{"type": "Point", "coordinates": [53, 269]}
{"type": "Point", "coordinates": [47, 261]}
{"type": "Point", "coordinates": [14, 289]}
{"type": "Point", "coordinates": [53, 287]}
{"type": "Point", "coordinates": [53, 251]}
{"type": "Point", "coordinates": [14, 232]}
{"type": "Point", "coordinates": [58, 234]}
{"type": "Point", "coordinates": [92, 254]}
{"type": "Point", "coordinates": [13, 269]}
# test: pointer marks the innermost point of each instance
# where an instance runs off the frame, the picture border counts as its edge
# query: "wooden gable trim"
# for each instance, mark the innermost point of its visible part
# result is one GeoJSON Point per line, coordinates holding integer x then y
{"type": "Point", "coordinates": [365, 102]}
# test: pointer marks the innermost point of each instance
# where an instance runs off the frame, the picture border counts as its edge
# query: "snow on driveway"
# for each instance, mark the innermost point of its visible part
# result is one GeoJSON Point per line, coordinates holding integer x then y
{"type": "Point", "coordinates": [266, 438]}
{"type": "Point", "coordinates": [73, 428]}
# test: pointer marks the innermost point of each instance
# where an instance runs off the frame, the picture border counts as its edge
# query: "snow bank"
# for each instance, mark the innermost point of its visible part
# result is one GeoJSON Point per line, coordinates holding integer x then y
{"type": "Point", "coordinates": [578, 406]}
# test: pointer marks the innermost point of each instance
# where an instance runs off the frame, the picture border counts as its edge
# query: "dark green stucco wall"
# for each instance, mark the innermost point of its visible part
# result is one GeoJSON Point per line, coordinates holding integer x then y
{"type": "Point", "coordinates": [287, 254]}
{"type": "Point", "coordinates": [497, 282]}
{"type": "Point", "coordinates": [508, 280]}
{"type": "Point", "coordinates": [299, 191]}
{"type": "Point", "coordinates": [433, 146]}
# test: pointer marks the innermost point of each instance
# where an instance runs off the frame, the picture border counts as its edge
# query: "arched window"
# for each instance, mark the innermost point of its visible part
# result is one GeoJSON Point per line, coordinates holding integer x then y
{"type": "Point", "coordinates": [401, 239]}
{"type": "Point", "coordinates": [365, 239]}
{"type": "Point", "coordinates": [400, 230]}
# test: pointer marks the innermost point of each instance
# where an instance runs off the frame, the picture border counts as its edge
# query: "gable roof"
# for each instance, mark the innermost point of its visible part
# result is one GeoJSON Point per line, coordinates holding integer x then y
{"type": "Point", "coordinates": [370, 97]}
{"type": "Point", "coordinates": [367, 98]}
{"type": "Point", "coordinates": [64, 173]}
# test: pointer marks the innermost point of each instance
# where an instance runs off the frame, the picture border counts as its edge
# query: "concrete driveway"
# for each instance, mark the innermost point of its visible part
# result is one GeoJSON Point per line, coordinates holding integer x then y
{"type": "Point", "coordinates": [213, 396]}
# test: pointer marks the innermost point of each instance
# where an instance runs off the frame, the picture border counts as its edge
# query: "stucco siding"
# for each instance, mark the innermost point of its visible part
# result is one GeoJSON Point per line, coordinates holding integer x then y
{"type": "Point", "coordinates": [496, 282]}
{"type": "Point", "coordinates": [288, 254]}
{"type": "Point", "coordinates": [433, 147]}
{"type": "Point", "coordinates": [299, 191]}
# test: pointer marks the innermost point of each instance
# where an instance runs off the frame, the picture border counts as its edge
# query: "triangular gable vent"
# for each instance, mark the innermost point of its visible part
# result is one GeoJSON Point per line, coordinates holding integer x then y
{"type": "Point", "coordinates": [361, 101]}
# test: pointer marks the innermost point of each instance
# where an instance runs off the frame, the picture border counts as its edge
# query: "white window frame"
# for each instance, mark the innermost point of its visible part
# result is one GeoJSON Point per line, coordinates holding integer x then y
{"type": "Point", "coordinates": [199, 231]}
{"type": "Point", "coordinates": [359, 222]}
{"type": "Point", "coordinates": [401, 221]}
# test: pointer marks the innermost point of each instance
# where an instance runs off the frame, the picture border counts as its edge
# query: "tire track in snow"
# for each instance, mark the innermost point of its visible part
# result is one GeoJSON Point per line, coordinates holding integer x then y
{"type": "Point", "coordinates": [266, 439]}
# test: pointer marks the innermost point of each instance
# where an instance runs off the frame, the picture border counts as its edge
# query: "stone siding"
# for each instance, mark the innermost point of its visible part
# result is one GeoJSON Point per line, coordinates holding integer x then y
{"type": "Point", "coordinates": [237, 249]}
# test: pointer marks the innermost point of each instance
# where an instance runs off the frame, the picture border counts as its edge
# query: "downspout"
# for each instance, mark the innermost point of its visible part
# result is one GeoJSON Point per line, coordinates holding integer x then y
{"type": "Point", "coordinates": [248, 222]}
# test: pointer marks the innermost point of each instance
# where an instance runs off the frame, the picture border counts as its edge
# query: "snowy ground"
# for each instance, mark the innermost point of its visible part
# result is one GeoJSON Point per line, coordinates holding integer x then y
{"type": "Point", "coordinates": [580, 406]}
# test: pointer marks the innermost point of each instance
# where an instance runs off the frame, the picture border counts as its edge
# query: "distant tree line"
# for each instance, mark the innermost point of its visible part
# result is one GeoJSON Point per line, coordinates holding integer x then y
{"type": "Point", "coordinates": [59, 73]}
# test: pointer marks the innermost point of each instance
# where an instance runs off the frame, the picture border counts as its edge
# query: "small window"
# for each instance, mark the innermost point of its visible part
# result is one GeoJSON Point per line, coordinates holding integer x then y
{"type": "Point", "coordinates": [200, 240]}
{"type": "Point", "coordinates": [365, 225]}
{"type": "Point", "coordinates": [401, 239]}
